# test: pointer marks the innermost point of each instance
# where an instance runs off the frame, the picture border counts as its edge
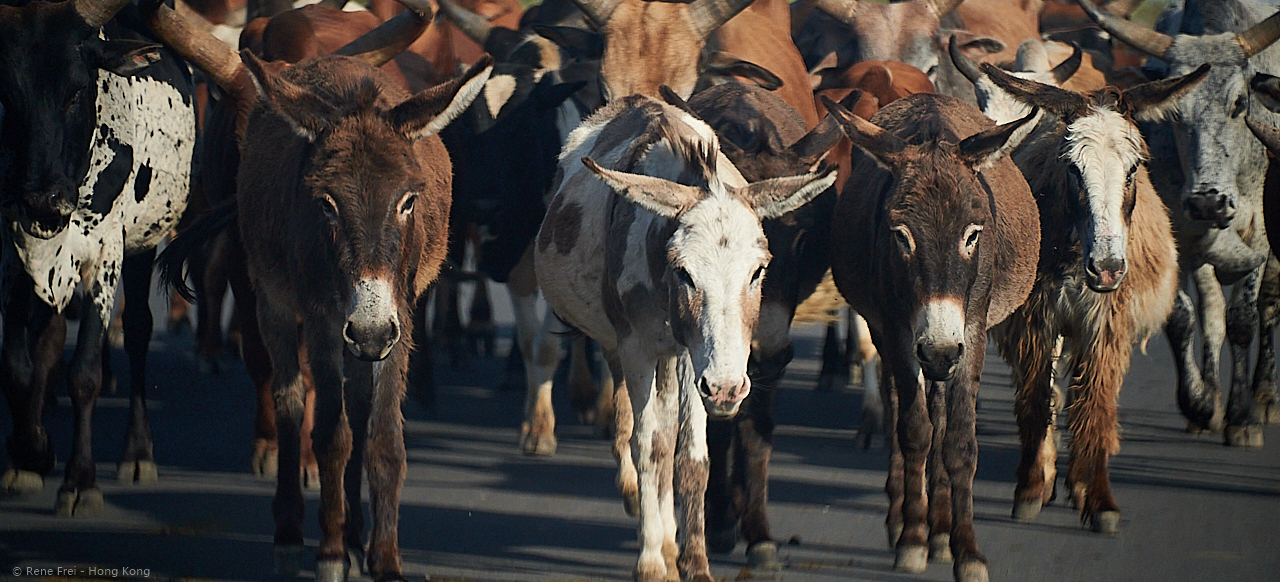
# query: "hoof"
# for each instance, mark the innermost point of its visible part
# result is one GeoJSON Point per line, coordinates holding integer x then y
{"type": "Point", "coordinates": [288, 561]}
{"type": "Point", "coordinates": [1107, 522]}
{"type": "Point", "coordinates": [138, 472]}
{"type": "Point", "coordinates": [1248, 436]}
{"type": "Point", "coordinates": [971, 572]}
{"type": "Point", "coordinates": [266, 462]}
{"type": "Point", "coordinates": [1268, 413]}
{"type": "Point", "coordinates": [895, 532]}
{"type": "Point", "coordinates": [702, 577]}
{"type": "Point", "coordinates": [912, 559]}
{"type": "Point", "coordinates": [763, 556]}
{"type": "Point", "coordinates": [542, 446]}
{"type": "Point", "coordinates": [19, 482]}
{"type": "Point", "coordinates": [940, 548]}
{"type": "Point", "coordinates": [722, 541]}
{"type": "Point", "coordinates": [331, 571]}
{"type": "Point", "coordinates": [355, 563]}
{"type": "Point", "coordinates": [80, 503]}
{"type": "Point", "coordinates": [1026, 510]}
{"type": "Point", "coordinates": [311, 478]}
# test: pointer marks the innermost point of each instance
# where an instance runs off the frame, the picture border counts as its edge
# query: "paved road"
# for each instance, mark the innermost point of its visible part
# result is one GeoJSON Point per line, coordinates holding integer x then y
{"type": "Point", "coordinates": [475, 509]}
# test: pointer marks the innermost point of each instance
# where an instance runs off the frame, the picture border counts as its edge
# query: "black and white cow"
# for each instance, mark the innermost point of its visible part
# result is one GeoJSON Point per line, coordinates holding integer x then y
{"type": "Point", "coordinates": [98, 137]}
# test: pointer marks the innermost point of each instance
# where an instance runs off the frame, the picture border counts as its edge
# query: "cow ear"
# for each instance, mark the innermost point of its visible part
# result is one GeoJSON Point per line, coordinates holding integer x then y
{"type": "Point", "coordinates": [722, 64]}
{"type": "Point", "coordinates": [1267, 88]}
{"type": "Point", "coordinates": [777, 196]}
{"type": "Point", "coordinates": [815, 144]}
{"type": "Point", "coordinates": [580, 43]}
{"type": "Point", "coordinates": [1154, 101]}
{"type": "Point", "coordinates": [306, 112]}
{"type": "Point", "coordinates": [982, 150]}
{"type": "Point", "coordinates": [659, 196]}
{"type": "Point", "coordinates": [122, 57]}
{"type": "Point", "coordinates": [882, 145]}
{"type": "Point", "coordinates": [430, 111]}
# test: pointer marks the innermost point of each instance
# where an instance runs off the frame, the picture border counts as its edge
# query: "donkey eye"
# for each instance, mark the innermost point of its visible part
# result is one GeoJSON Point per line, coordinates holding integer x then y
{"type": "Point", "coordinates": [971, 238]}
{"type": "Point", "coordinates": [902, 234]}
{"type": "Point", "coordinates": [329, 207]}
{"type": "Point", "coordinates": [683, 277]}
{"type": "Point", "coordinates": [406, 205]}
{"type": "Point", "coordinates": [758, 275]}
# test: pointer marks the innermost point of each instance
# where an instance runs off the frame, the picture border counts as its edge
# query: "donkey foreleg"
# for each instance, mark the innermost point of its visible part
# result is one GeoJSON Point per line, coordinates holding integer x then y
{"type": "Point", "coordinates": [387, 463]}
{"type": "Point", "coordinates": [331, 440]}
{"type": "Point", "coordinates": [960, 453]}
{"type": "Point", "coordinates": [279, 330]}
{"type": "Point", "coordinates": [650, 408]}
{"type": "Point", "coordinates": [915, 437]}
{"type": "Point", "coordinates": [691, 467]}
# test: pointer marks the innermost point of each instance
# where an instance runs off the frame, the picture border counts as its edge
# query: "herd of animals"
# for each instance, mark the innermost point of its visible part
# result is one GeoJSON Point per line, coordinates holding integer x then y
{"type": "Point", "coordinates": [676, 179]}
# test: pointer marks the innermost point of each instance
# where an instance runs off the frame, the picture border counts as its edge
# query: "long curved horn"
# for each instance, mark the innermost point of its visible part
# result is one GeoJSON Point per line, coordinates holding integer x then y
{"type": "Point", "coordinates": [708, 15]}
{"type": "Point", "coordinates": [1144, 39]}
{"type": "Point", "coordinates": [597, 11]}
{"type": "Point", "coordinates": [943, 7]}
{"type": "Point", "coordinates": [220, 62]}
{"type": "Point", "coordinates": [1268, 135]}
{"type": "Point", "coordinates": [378, 46]}
{"type": "Point", "coordinates": [1259, 36]}
{"type": "Point", "coordinates": [1066, 69]}
{"type": "Point", "coordinates": [473, 25]}
{"type": "Point", "coordinates": [97, 12]}
{"type": "Point", "coordinates": [967, 67]}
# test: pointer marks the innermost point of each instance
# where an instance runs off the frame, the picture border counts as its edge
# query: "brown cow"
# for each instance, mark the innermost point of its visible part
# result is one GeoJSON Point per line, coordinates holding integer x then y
{"type": "Point", "coordinates": [761, 34]}
{"type": "Point", "coordinates": [908, 257]}
{"type": "Point", "coordinates": [343, 201]}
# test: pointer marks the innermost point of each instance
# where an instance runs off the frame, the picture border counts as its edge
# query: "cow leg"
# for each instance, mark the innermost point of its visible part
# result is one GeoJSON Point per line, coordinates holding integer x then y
{"type": "Point", "coordinates": [939, 479]}
{"type": "Point", "coordinates": [386, 461]}
{"type": "Point", "coordinates": [331, 440]}
{"type": "Point", "coordinates": [691, 466]}
{"type": "Point", "coordinates": [253, 351]}
{"type": "Point", "coordinates": [1213, 326]}
{"type": "Point", "coordinates": [32, 346]}
{"type": "Point", "coordinates": [279, 330]}
{"type": "Point", "coordinates": [915, 436]}
{"type": "Point", "coordinates": [538, 432]}
{"type": "Point", "coordinates": [960, 451]}
{"type": "Point", "coordinates": [1266, 399]}
{"type": "Point", "coordinates": [137, 464]}
{"type": "Point", "coordinates": [79, 494]}
{"type": "Point", "coordinates": [1242, 429]}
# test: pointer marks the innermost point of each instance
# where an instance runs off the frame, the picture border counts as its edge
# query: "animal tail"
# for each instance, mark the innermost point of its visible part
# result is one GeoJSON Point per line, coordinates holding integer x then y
{"type": "Point", "coordinates": [172, 263]}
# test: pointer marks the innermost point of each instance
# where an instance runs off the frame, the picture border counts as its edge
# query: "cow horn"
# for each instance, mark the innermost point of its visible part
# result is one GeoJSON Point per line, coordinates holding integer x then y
{"type": "Point", "coordinates": [1266, 133]}
{"type": "Point", "coordinates": [597, 11]}
{"type": "Point", "coordinates": [220, 62]}
{"type": "Point", "coordinates": [96, 13]}
{"type": "Point", "coordinates": [708, 15]}
{"type": "Point", "coordinates": [1144, 39]}
{"type": "Point", "coordinates": [967, 67]}
{"type": "Point", "coordinates": [473, 25]}
{"type": "Point", "coordinates": [1259, 36]}
{"type": "Point", "coordinates": [943, 7]}
{"type": "Point", "coordinates": [378, 46]}
{"type": "Point", "coordinates": [1066, 69]}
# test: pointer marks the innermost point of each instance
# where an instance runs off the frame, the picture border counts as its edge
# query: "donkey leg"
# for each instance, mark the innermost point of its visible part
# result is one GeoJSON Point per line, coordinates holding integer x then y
{"type": "Point", "coordinates": [915, 436]}
{"type": "Point", "coordinates": [641, 384]}
{"type": "Point", "coordinates": [1030, 342]}
{"type": "Point", "coordinates": [691, 468]}
{"type": "Point", "coordinates": [960, 451]}
{"type": "Point", "coordinates": [1266, 399]}
{"type": "Point", "coordinates": [894, 485]}
{"type": "Point", "coordinates": [1242, 428]}
{"type": "Point", "coordinates": [137, 464]}
{"type": "Point", "coordinates": [835, 370]}
{"type": "Point", "coordinates": [939, 478]}
{"type": "Point", "coordinates": [357, 394]}
{"type": "Point", "coordinates": [1099, 365]}
{"type": "Point", "coordinates": [1213, 325]}
{"type": "Point", "coordinates": [386, 461]}
{"type": "Point", "coordinates": [309, 471]}
{"type": "Point", "coordinates": [583, 392]}
{"type": "Point", "coordinates": [212, 281]}
{"type": "Point", "coordinates": [279, 330]}
{"type": "Point", "coordinates": [624, 423]}
{"type": "Point", "coordinates": [253, 351]}
{"type": "Point", "coordinates": [538, 432]}
{"type": "Point", "coordinates": [755, 436]}
{"type": "Point", "coordinates": [32, 346]}
{"type": "Point", "coordinates": [331, 439]}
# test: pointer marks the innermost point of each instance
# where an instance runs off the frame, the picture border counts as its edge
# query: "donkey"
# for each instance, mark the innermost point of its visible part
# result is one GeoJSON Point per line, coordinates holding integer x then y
{"type": "Point", "coordinates": [1210, 171]}
{"type": "Point", "coordinates": [653, 247]}
{"type": "Point", "coordinates": [935, 243]}
{"type": "Point", "coordinates": [1107, 276]}
{"type": "Point", "coordinates": [342, 202]}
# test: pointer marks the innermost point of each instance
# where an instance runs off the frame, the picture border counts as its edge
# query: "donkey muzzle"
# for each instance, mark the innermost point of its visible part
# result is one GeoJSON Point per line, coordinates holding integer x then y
{"type": "Point", "coordinates": [938, 361]}
{"type": "Point", "coordinates": [372, 326]}
{"type": "Point", "coordinates": [722, 397]}
{"type": "Point", "coordinates": [1104, 276]}
{"type": "Point", "coordinates": [1211, 206]}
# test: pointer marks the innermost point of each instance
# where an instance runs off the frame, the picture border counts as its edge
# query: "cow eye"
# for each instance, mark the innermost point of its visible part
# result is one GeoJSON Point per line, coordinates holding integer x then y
{"type": "Point", "coordinates": [902, 234]}
{"type": "Point", "coordinates": [1242, 104]}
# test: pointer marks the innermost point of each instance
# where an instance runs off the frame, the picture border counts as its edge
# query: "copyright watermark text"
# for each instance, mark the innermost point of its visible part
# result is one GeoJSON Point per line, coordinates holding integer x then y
{"type": "Point", "coordinates": [93, 571]}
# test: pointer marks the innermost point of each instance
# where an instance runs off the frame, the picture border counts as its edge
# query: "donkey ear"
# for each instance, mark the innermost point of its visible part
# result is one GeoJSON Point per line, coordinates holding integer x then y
{"type": "Point", "coordinates": [982, 150]}
{"type": "Point", "coordinates": [1067, 105]}
{"type": "Point", "coordinates": [306, 112]}
{"type": "Point", "coordinates": [869, 137]}
{"type": "Point", "coordinates": [661, 197]}
{"type": "Point", "coordinates": [1267, 88]}
{"type": "Point", "coordinates": [1154, 101]}
{"type": "Point", "coordinates": [777, 196]}
{"type": "Point", "coordinates": [1266, 133]}
{"type": "Point", "coordinates": [430, 111]}
{"type": "Point", "coordinates": [815, 144]}
{"type": "Point", "coordinates": [580, 43]}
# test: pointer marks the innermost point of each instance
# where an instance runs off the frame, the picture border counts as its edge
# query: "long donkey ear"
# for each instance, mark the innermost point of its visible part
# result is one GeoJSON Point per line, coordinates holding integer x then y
{"type": "Point", "coordinates": [983, 149]}
{"type": "Point", "coordinates": [1067, 105]}
{"type": "Point", "coordinates": [306, 112]}
{"type": "Point", "coordinates": [430, 111]}
{"type": "Point", "coordinates": [777, 196]}
{"type": "Point", "coordinates": [882, 145]}
{"type": "Point", "coordinates": [659, 196]}
{"type": "Point", "coordinates": [1156, 100]}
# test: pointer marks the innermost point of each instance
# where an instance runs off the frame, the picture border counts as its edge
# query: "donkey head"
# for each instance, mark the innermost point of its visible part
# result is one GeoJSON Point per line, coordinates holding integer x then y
{"type": "Point", "coordinates": [933, 219]}
{"type": "Point", "coordinates": [379, 188]}
{"type": "Point", "coordinates": [1100, 145]}
{"type": "Point", "coordinates": [50, 63]}
{"type": "Point", "coordinates": [716, 258]}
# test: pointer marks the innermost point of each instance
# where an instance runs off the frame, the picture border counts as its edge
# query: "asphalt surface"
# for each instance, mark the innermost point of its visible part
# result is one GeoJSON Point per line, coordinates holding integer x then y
{"type": "Point", "coordinates": [474, 508]}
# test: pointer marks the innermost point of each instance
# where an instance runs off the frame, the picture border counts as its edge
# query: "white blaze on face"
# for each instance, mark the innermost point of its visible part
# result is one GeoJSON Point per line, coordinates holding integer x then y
{"type": "Point", "coordinates": [1105, 148]}
{"type": "Point", "coordinates": [939, 323]}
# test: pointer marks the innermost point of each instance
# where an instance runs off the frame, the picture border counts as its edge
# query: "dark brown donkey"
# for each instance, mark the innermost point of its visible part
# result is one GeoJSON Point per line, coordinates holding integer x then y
{"type": "Point", "coordinates": [343, 200]}
{"type": "Point", "coordinates": [935, 240]}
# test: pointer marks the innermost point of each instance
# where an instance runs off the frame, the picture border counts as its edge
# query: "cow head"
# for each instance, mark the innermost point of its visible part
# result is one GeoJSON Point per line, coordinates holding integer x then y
{"type": "Point", "coordinates": [51, 60]}
{"type": "Point", "coordinates": [1217, 155]}
{"type": "Point", "coordinates": [934, 217]}
{"type": "Point", "coordinates": [716, 257]}
{"type": "Point", "coordinates": [1103, 151]}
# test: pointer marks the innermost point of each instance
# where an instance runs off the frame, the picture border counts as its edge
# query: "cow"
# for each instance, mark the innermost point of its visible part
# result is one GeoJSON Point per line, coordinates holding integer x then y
{"type": "Point", "coordinates": [1107, 277]}
{"type": "Point", "coordinates": [1209, 170]}
{"type": "Point", "coordinates": [351, 162]}
{"type": "Point", "coordinates": [761, 34]}
{"type": "Point", "coordinates": [935, 243]}
{"type": "Point", "coordinates": [97, 144]}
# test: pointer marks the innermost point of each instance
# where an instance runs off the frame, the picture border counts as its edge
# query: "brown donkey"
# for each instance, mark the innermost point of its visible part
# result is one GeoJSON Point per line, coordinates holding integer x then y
{"type": "Point", "coordinates": [343, 201]}
{"type": "Point", "coordinates": [1108, 277]}
{"type": "Point", "coordinates": [935, 240]}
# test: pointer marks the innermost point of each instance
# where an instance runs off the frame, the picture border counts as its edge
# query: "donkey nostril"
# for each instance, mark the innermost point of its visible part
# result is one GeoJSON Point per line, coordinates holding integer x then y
{"type": "Point", "coordinates": [920, 355]}
{"type": "Point", "coordinates": [346, 333]}
{"type": "Point", "coordinates": [705, 388]}
{"type": "Point", "coordinates": [959, 351]}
